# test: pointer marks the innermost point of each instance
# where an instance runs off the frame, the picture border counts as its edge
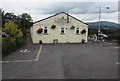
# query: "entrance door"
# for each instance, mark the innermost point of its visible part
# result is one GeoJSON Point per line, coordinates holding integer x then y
{"type": "Point", "coordinates": [55, 41]}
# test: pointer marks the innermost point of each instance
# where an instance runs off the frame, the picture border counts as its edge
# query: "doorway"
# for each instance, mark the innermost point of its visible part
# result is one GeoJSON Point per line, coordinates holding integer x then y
{"type": "Point", "coordinates": [55, 41]}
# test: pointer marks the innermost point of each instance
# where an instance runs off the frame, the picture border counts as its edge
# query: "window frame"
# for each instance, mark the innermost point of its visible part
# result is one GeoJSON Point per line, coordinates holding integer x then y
{"type": "Point", "coordinates": [45, 29]}
{"type": "Point", "coordinates": [62, 29]}
{"type": "Point", "coordinates": [77, 30]}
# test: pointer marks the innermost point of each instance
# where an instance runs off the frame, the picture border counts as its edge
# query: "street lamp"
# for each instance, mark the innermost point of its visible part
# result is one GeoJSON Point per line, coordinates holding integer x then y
{"type": "Point", "coordinates": [100, 9]}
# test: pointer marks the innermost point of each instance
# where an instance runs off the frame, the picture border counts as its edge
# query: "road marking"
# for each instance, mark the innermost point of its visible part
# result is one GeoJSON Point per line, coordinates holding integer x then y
{"type": "Point", "coordinates": [24, 51]}
{"type": "Point", "coordinates": [108, 43]}
{"type": "Point", "coordinates": [31, 60]}
{"type": "Point", "coordinates": [17, 61]}
{"type": "Point", "coordinates": [115, 53]}
{"type": "Point", "coordinates": [116, 47]}
{"type": "Point", "coordinates": [117, 63]}
{"type": "Point", "coordinates": [105, 43]}
{"type": "Point", "coordinates": [111, 43]}
{"type": "Point", "coordinates": [37, 57]}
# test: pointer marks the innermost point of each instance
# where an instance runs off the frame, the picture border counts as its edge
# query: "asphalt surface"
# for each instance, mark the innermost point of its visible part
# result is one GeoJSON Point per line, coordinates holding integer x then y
{"type": "Point", "coordinates": [63, 61]}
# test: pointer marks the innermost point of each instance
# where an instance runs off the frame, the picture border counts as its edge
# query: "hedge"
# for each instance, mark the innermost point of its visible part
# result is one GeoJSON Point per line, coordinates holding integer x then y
{"type": "Point", "coordinates": [9, 45]}
{"type": "Point", "coordinates": [116, 37]}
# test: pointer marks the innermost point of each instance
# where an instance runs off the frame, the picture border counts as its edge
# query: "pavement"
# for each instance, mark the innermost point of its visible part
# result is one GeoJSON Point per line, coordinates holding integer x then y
{"type": "Point", "coordinates": [63, 61]}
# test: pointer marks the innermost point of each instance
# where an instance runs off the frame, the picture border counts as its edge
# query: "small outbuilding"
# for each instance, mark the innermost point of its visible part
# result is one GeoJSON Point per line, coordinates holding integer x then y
{"type": "Point", "coordinates": [59, 28]}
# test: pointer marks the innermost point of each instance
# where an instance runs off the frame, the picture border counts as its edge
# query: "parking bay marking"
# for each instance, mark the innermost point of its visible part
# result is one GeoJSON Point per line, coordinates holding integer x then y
{"type": "Point", "coordinates": [108, 43]}
{"type": "Point", "coordinates": [37, 57]}
{"type": "Point", "coordinates": [112, 47]}
{"type": "Point", "coordinates": [115, 53]}
{"type": "Point", "coordinates": [103, 43]}
{"type": "Point", "coordinates": [117, 63]}
{"type": "Point", "coordinates": [24, 51]}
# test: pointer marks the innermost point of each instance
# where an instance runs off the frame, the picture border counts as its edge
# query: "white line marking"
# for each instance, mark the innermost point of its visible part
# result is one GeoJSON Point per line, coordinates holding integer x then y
{"type": "Point", "coordinates": [117, 63]}
{"type": "Point", "coordinates": [115, 53]}
{"type": "Point", "coordinates": [110, 43]}
{"type": "Point", "coordinates": [17, 61]}
{"type": "Point", "coordinates": [37, 57]}
{"type": "Point", "coordinates": [116, 47]}
{"type": "Point", "coordinates": [105, 43]}
{"type": "Point", "coordinates": [21, 51]}
{"type": "Point", "coordinates": [24, 51]}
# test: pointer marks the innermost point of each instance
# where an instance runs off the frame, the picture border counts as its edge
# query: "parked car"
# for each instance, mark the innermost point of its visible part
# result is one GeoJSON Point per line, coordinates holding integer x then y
{"type": "Point", "coordinates": [102, 36]}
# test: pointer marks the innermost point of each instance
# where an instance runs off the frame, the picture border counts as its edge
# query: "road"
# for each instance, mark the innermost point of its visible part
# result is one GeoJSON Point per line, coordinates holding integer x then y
{"type": "Point", "coordinates": [63, 61]}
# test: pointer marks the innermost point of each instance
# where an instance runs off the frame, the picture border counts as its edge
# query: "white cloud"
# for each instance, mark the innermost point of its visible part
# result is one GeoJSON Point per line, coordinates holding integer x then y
{"type": "Point", "coordinates": [112, 17]}
{"type": "Point", "coordinates": [83, 11]}
{"type": "Point", "coordinates": [59, 0]}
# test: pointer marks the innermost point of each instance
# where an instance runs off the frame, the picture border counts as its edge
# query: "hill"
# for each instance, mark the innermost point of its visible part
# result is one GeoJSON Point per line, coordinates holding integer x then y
{"type": "Point", "coordinates": [104, 25]}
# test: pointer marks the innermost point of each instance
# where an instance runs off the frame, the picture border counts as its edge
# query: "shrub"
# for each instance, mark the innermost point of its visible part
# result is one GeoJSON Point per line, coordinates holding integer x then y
{"type": "Point", "coordinates": [9, 45]}
{"type": "Point", "coordinates": [13, 30]}
{"type": "Point", "coordinates": [113, 37]}
{"type": "Point", "coordinates": [14, 39]}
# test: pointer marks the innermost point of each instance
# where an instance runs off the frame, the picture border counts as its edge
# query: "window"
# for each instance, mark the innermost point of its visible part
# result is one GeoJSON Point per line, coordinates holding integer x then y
{"type": "Point", "coordinates": [45, 30]}
{"type": "Point", "coordinates": [62, 17]}
{"type": "Point", "coordinates": [77, 31]}
{"type": "Point", "coordinates": [62, 31]}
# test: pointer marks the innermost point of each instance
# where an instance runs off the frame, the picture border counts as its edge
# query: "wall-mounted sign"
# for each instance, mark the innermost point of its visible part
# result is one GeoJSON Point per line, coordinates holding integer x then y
{"type": "Point", "coordinates": [61, 20]}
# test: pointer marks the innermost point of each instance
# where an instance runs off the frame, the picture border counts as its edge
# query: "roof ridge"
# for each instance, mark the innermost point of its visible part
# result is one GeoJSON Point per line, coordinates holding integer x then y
{"type": "Point", "coordinates": [58, 14]}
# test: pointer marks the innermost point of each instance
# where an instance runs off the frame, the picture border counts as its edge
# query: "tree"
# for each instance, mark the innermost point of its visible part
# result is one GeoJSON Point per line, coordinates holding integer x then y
{"type": "Point", "coordinates": [92, 31]}
{"type": "Point", "coordinates": [3, 19]}
{"type": "Point", "coordinates": [0, 18]}
{"type": "Point", "coordinates": [13, 30]}
{"type": "Point", "coordinates": [26, 16]}
{"type": "Point", "coordinates": [10, 15]}
{"type": "Point", "coordinates": [14, 40]}
{"type": "Point", "coordinates": [26, 20]}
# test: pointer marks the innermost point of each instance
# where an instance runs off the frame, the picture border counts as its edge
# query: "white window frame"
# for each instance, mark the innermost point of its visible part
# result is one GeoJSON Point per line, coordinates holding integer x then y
{"type": "Point", "coordinates": [44, 30]}
{"type": "Point", "coordinates": [61, 31]}
{"type": "Point", "coordinates": [77, 29]}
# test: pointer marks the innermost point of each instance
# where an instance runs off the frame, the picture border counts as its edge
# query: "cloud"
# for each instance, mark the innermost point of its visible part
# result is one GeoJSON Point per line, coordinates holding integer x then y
{"type": "Point", "coordinates": [60, 0]}
{"type": "Point", "coordinates": [85, 11]}
{"type": "Point", "coordinates": [112, 17]}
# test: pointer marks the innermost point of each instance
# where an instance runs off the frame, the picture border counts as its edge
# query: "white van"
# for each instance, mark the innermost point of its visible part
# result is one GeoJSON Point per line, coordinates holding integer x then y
{"type": "Point", "coordinates": [102, 36]}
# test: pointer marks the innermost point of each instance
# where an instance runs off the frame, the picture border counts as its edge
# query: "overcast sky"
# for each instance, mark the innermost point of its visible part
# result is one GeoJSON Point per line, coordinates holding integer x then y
{"type": "Point", "coordinates": [85, 11]}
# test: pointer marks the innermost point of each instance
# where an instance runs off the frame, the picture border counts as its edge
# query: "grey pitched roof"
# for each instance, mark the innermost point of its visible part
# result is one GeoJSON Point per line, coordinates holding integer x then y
{"type": "Point", "coordinates": [58, 14]}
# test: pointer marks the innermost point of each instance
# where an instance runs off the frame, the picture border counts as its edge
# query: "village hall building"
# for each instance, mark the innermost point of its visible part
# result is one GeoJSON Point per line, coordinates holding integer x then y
{"type": "Point", "coordinates": [59, 28]}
